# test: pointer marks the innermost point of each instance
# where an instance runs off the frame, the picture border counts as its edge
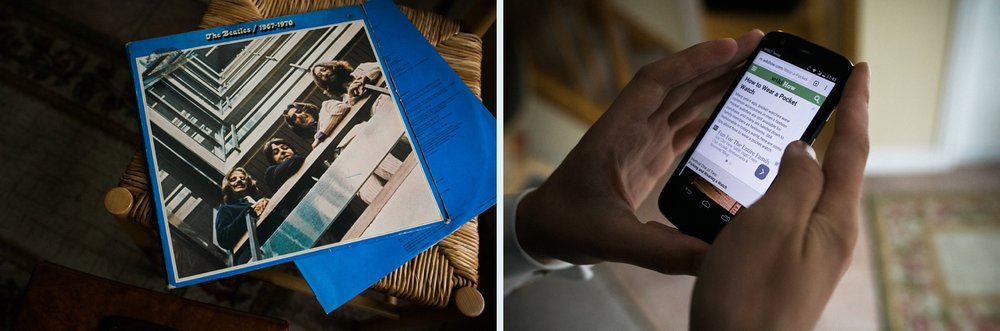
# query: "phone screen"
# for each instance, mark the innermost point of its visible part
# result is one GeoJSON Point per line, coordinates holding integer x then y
{"type": "Point", "coordinates": [773, 104]}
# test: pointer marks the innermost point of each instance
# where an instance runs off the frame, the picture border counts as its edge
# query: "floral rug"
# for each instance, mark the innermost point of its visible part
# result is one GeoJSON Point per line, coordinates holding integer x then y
{"type": "Point", "coordinates": [939, 260]}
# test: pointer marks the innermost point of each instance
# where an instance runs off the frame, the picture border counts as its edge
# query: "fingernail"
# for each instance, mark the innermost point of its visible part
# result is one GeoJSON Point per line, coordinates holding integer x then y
{"type": "Point", "coordinates": [812, 152]}
{"type": "Point", "coordinates": [754, 31]}
{"type": "Point", "coordinates": [801, 146]}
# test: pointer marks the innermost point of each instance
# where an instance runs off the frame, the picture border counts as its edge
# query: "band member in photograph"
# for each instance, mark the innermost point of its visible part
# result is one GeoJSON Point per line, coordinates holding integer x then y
{"type": "Point", "coordinates": [284, 161]}
{"type": "Point", "coordinates": [338, 79]}
{"type": "Point", "coordinates": [308, 120]}
{"type": "Point", "coordinates": [240, 197]}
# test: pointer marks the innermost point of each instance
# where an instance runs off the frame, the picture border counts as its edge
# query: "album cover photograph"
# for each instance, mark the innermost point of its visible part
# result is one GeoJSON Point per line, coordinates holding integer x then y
{"type": "Point", "coordinates": [271, 146]}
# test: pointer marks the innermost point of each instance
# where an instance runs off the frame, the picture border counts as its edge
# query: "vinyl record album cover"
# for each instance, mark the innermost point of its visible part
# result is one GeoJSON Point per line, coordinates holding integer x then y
{"type": "Point", "coordinates": [273, 139]}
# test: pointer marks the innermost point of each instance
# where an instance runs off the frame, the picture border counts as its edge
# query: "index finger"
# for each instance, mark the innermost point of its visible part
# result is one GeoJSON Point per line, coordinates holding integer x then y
{"type": "Point", "coordinates": [844, 164]}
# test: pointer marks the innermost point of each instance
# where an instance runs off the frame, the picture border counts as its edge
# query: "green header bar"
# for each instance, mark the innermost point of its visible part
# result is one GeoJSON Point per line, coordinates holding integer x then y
{"type": "Point", "coordinates": [787, 85]}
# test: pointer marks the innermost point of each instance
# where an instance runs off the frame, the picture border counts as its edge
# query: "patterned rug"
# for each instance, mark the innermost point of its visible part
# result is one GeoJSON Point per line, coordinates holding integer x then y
{"type": "Point", "coordinates": [939, 260]}
{"type": "Point", "coordinates": [70, 66]}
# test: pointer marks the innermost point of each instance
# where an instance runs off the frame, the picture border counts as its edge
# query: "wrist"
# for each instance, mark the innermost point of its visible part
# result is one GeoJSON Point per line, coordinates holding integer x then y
{"type": "Point", "coordinates": [519, 266]}
{"type": "Point", "coordinates": [526, 227]}
{"type": "Point", "coordinates": [528, 232]}
{"type": "Point", "coordinates": [530, 228]}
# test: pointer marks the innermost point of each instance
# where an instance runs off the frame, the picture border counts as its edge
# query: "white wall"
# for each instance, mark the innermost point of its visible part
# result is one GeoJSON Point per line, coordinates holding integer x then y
{"type": "Point", "coordinates": [933, 79]}
{"type": "Point", "coordinates": [971, 114]}
{"type": "Point", "coordinates": [905, 42]}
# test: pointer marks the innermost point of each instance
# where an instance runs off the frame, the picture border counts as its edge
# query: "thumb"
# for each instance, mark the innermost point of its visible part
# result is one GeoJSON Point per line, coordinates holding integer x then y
{"type": "Point", "coordinates": [796, 188]}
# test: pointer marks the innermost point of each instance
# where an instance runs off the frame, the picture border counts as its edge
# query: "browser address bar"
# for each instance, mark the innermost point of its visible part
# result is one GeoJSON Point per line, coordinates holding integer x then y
{"type": "Point", "coordinates": [804, 78]}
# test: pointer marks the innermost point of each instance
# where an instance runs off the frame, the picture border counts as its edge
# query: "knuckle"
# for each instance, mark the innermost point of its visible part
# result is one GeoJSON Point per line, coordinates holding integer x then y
{"type": "Point", "coordinates": [838, 235]}
{"type": "Point", "coordinates": [864, 144]}
{"type": "Point", "coordinates": [646, 74]}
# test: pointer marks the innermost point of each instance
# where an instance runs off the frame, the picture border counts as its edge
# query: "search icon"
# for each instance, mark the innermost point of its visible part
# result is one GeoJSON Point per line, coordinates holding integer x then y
{"type": "Point", "coordinates": [817, 99]}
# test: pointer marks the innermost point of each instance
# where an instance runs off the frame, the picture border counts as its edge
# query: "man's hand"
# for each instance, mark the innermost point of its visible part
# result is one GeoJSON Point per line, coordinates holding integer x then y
{"type": "Point", "coordinates": [259, 206]}
{"type": "Point", "coordinates": [355, 89]}
{"type": "Point", "coordinates": [775, 265]}
{"type": "Point", "coordinates": [585, 212]}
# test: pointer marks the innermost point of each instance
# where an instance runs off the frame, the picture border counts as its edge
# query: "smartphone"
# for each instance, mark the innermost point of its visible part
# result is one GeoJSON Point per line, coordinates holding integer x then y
{"type": "Point", "coordinates": [787, 91]}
